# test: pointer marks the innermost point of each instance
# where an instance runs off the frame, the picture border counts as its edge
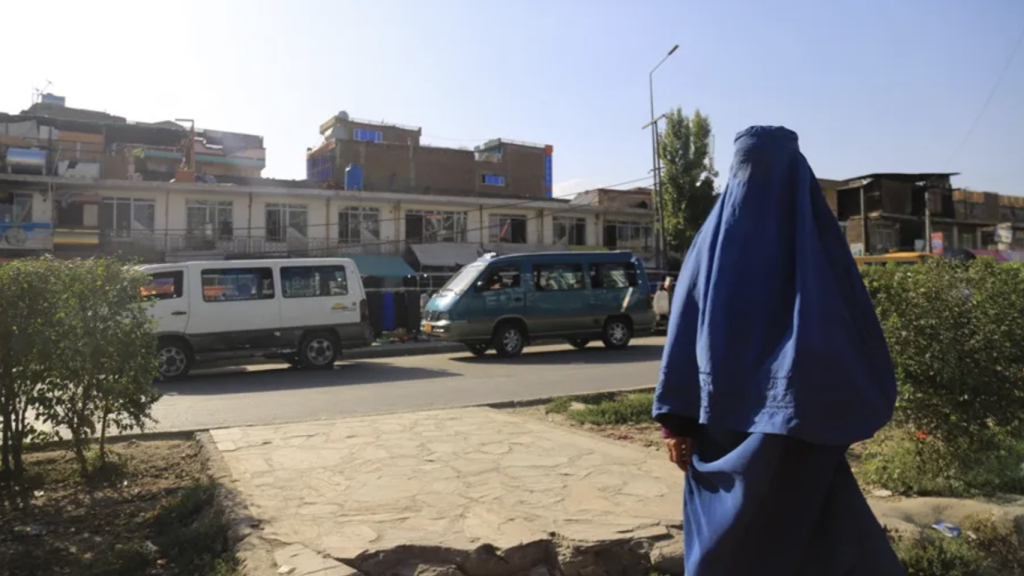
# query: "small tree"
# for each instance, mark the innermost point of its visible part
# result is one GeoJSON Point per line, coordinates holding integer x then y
{"type": "Point", "coordinates": [688, 177]}
{"type": "Point", "coordinates": [76, 348]}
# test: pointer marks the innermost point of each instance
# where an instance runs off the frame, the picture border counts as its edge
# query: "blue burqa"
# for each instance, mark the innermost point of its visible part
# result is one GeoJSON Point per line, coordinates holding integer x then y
{"type": "Point", "coordinates": [775, 363]}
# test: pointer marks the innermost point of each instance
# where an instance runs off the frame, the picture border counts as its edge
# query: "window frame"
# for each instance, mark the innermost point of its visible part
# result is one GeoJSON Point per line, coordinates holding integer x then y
{"type": "Point", "coordinates": [118, 203]}
{"type": "Point", "coordinates": [216, 208]}
{"type": "Point", "coordinates": [574, 225]}
{"type": "Point", "coordinates": [321, 282]}
{"type": "Point", "coordinates": [266, 273]}
{"type": "Point", "coordinates": [459, 220]}
{"type": "Point", "coordinates": [487, 273]}
{"type": "Point", "coordinates": [285, 210]}
{"type": "Point", "coordinates": [178, 288]}
{"type": "Point", "coordinates": [489, 179]}
{"type": "Point", "coordinates": [360, 212]}
{"type": "Point", "coordinates": [539, 268]}
{"type": "Point", "coordinates": [497, 222]}
{"type": "Point", "coordinates": [595, 269]}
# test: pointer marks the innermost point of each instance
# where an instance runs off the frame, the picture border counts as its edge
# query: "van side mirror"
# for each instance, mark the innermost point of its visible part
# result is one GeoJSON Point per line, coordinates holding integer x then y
{"type": "Point", "coordinates": [480, 286]}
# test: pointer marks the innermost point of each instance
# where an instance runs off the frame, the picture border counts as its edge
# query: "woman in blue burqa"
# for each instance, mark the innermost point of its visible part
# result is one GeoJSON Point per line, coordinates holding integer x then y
{"type": "Point", "coordinates": [775, 364]}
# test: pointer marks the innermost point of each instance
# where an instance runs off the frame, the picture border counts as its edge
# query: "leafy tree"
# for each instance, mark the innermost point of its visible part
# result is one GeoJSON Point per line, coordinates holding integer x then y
{"type": "Point", "coordinates": [687, 178]}
{"type": "Point", "coordinates": [76, 352]}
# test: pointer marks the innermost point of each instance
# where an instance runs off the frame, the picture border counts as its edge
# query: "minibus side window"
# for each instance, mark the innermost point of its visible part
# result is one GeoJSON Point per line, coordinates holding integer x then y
{"type": "Point", "coordinates": [237, 284]}
{"type": "Point", "coordinates": [164, 285]}
{"type": "Point", "coordinates": [313, 281]}
{"type": "Point", "coordinates": [613, 275]}
{"type": "Point", "coordinates": [558, 277]}
{"type": "Point", "coordinates": [500, 278]}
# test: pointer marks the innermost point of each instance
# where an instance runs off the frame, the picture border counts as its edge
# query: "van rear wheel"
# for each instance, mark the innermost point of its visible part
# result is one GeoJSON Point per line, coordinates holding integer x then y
{"type": "Point", "coordinates": [509, 340]}
{"type": "Point", "coordinates": [318, 351]}
{"type": "Point", "coordinates": [174, 358]}
{"type": "Point", "coordinates": [617, 333]}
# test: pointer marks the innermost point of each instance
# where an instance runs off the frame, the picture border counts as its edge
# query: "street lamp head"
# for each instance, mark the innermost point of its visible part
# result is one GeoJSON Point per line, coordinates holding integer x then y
{"type": "Point", "coordinates": [672, 51]}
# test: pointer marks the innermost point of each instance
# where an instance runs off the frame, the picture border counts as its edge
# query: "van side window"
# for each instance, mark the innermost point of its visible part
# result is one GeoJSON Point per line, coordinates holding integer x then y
{"type": "Point", "coordinates": [313, 281]}
{"type": "Point", "coordinates": [164, 285]}
{"type": "Point", "coordinates": [617, 275]}
{"type": "Point", "coordinates": [558, 277]}
{"type": "Point", "coordinates": [237, 284]}
{"type": "Point", "coordinates": [502, 278]}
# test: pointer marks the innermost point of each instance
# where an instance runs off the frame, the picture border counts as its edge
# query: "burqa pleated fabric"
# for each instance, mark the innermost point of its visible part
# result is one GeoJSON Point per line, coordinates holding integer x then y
{"type": "Point", "coordinates": [775, 363]}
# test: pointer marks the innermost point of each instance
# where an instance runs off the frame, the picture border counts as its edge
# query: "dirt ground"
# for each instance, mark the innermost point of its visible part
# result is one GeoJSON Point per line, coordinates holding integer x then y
{"type": "Point", "coordinates": [57, 523]}
{"type": "Point", "coordinates": [644, 435]}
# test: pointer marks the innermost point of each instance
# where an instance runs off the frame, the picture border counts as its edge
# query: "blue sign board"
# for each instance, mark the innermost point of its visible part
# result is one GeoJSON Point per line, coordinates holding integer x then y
{"type": "Point", "coordinates": [548, 187]}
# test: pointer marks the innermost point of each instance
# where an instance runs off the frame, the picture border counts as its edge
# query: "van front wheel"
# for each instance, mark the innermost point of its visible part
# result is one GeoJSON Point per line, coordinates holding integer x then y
{"type": "Point", "coordinates": [318, 351]}
{"type": "Point", "coordinates": [617, 333]}
{"type": "Point", "coordinates": [509, 340]}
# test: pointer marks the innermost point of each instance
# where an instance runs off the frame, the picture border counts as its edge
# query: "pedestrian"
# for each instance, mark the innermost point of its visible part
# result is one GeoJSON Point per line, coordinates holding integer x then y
{"type": "Point", "coordinates": [775, 364]}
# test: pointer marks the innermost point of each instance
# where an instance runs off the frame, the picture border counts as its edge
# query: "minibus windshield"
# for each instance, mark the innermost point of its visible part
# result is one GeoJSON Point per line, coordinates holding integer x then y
{"type": "Point", "coordinates": [463, 279]}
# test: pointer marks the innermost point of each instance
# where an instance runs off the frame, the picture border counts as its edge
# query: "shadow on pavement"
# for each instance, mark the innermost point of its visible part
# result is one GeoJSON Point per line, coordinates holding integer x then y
{"type": "Point", "coordinates": [238, 380]}
{"type": "Point", "coordinates": [595, 354]}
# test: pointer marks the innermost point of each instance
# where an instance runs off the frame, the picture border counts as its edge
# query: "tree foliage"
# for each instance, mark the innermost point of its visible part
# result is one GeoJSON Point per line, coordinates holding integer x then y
{"type": "Point", "coordinates": [76, 353]}
{"type": "Point", "coordinates": [954, 332]}
{"type": "Point", "coordinates": [687, 178]}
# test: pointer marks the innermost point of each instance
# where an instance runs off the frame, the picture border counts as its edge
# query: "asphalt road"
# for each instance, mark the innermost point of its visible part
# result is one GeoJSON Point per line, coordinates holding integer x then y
{"type": "Point", "coordinates": [274, 394]}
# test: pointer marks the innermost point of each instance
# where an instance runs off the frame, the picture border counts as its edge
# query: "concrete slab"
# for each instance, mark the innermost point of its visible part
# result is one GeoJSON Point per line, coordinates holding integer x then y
{"type": "Point", "coordinates": [455, 479]}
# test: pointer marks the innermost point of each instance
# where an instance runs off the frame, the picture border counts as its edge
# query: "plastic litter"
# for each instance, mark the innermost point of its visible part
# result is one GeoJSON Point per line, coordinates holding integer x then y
{"type": "Point", "coordinates": [947, 529]}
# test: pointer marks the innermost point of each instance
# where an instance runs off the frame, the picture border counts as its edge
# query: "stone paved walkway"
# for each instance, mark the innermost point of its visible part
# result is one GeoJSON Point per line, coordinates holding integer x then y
{"type": "Point", "coordinates": [456, 478]}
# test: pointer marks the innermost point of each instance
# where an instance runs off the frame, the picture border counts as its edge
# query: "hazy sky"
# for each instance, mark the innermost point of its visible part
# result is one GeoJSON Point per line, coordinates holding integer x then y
{"type": "Point", "coordinates": [870, 86]}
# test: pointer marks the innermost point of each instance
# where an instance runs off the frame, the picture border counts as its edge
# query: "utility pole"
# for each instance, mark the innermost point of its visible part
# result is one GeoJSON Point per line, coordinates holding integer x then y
{"type": "Point", "coordinates": [660, 249]}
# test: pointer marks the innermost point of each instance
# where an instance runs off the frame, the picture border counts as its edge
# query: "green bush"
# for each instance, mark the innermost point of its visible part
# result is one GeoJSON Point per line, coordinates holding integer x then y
{"type": "Point", "coordinates": [989, 547]}
{"type": "Point", "coordinates": [632, 408]}
{"type": "Point", "coordinates": [954, 331]}
{"type": "Point", "coordinates": [76, 353]}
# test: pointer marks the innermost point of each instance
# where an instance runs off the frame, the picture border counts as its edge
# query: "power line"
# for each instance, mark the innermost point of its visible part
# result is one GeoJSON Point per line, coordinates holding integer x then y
{"type": "Point", "coordinates": [991, 94]}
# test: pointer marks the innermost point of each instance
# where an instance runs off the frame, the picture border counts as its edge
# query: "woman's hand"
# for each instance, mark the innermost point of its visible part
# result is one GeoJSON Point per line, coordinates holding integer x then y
{"type": "Point", "coordinates": [680, 452]}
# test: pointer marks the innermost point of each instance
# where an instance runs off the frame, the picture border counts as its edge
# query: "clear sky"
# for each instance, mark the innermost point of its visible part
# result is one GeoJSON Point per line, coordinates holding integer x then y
{"type": "Point", "coordinates": [870, 86]}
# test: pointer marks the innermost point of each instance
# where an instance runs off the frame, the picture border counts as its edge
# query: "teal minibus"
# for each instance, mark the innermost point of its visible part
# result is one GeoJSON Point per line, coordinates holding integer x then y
{"type": "Point", "coordinates": [507, 302]}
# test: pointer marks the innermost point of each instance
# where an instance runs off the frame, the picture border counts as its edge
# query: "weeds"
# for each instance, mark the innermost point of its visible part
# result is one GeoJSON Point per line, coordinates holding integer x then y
{"type": "Point", "coordinates": [633, 408]}
{"type": "Point", "coordinates": [990, 547]}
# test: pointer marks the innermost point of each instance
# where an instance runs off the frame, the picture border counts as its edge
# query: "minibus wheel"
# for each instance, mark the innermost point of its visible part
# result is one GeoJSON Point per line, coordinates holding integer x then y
{"type": "Point", "coordinates": [318, 351]}
{"type": "Point", "coordinates": [509, 339]}
{"type": "Point", "coordinates": [174, 358]}
{"type": "Point", "coordinates": [617, 333]}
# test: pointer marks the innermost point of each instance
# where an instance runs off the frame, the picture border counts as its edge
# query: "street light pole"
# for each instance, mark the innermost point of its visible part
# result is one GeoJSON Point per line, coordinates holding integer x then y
{"type": "Point", "coordinates": [661, 251]}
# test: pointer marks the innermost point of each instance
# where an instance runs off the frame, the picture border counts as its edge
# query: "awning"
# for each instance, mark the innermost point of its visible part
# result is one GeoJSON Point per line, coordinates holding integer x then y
{"type": "Point", "coordinates": [446, 254]}
{"type": "Point", "coordinates": [381, 266]}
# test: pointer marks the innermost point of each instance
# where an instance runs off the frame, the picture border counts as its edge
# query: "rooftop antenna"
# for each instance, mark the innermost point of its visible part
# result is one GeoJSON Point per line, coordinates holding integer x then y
{"type": "Point", "coordinates": [37, 93]}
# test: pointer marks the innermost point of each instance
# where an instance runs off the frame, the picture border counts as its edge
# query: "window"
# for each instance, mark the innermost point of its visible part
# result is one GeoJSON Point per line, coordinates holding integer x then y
{"type": "Point", "coordinates": [15, 208]}
{"type": "Point", "coordinates": [210, 218]}
{"type": "Point", "coordinates": [123, 216]}
{"type": "Point", "coordinates": [363, 135]}
{"type": "Point", "coordinates": [492, 179]}
{"type": "Point", "coordinates": [570, 231]}
{"type": "Point", "coordinates": [967, 241]}
{"type": "Point", "coordinates": [164, 285]}
{"type": "Point", "coordinates": [627, 234]}
{"type": "Point", "coordinates": [502, 278]}
{"type": "Point", "coordinates": [313, 281]}
{"type": "Point", "coordinates": [558, 277]}
{"type": "Point", "coordinates": [238, 284]}
{"type": "Point", "coordinates": [613, 275]}
{"type": "Point", "coordinates": [283, 219]}
{"type": "Point", "coordinates": [509, 229]}
{"type": "Point", "coordinates": [358, 225]}
{"type": "Point", "coordinates": [427, 226]}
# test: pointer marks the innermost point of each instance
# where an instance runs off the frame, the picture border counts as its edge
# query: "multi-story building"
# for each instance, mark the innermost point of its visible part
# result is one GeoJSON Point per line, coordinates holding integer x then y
{"type": "Point", "coordinates": [159, 221]}
{"type": "Point", "coordinates": [392, 159]}
{"type": "Point", "coordinates": [886, 212]}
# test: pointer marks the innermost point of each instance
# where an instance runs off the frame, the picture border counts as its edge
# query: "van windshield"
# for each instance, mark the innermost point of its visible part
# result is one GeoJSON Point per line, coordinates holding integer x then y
{"type": "Point", "coordinates": [463, 279]}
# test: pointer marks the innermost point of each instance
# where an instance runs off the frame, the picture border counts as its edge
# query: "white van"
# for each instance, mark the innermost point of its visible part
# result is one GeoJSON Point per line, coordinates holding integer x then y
{"type": "Point", "coordinates": [304, 311]}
